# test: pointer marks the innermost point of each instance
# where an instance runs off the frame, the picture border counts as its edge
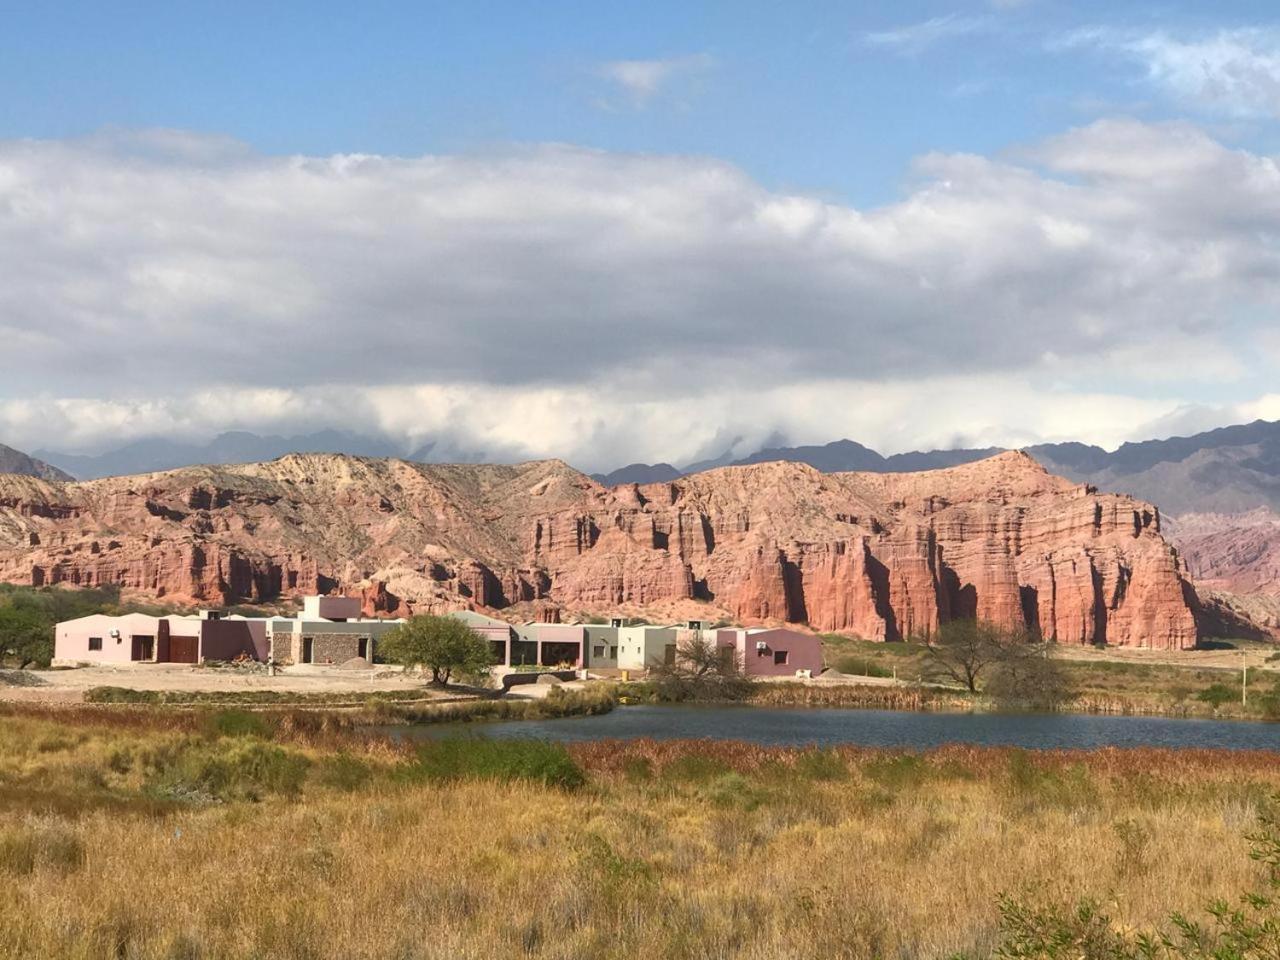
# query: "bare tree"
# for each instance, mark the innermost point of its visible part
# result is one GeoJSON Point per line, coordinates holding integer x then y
{"type": "Point", "coordinates": [964, 651]}
{"type": "Point", "coordinates": [700, 670]}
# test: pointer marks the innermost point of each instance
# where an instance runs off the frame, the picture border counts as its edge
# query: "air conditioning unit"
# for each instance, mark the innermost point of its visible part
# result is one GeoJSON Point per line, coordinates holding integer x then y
{"type": "Point", "coordinates": [761, 645]}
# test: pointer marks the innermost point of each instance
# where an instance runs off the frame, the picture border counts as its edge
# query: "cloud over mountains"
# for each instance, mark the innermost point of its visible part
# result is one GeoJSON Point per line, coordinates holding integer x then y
{"type": "Point", "coordinates": [606, 306]}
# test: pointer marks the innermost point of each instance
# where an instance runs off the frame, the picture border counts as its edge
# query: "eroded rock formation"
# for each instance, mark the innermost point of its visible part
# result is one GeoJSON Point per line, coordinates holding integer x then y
{"type": "Point", "coordinates": [879, 555]}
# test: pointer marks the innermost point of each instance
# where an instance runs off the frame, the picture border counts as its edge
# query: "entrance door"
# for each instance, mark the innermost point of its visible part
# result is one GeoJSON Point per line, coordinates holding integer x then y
{"type": "Point", "coordinates": [144, 648]}
{"type": "Point", "coordinates": [362, 649]}
{"type": "Point", "coordinates": [183, 649]}
{"type": "Point", "coordinates": [669, 654]}
{"type": "Point", "coordinates": [307, 645]}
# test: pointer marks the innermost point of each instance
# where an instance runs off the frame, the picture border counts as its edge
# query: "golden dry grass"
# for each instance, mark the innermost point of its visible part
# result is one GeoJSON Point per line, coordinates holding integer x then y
{"type": "Point", "coordinates": [670, 850]}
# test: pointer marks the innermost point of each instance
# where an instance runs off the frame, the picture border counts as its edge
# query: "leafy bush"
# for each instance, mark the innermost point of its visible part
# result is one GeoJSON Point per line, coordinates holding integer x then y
{"type": "Point", "coordinates": [480, 759]}
{"type": "Point", "coordinates": [1217, 694]}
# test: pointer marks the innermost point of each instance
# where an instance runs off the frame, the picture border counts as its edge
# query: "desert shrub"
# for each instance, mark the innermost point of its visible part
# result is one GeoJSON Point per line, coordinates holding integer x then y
{"type": "Point", "coordinates": [1030, 679]}
{"type": "Point", "coordinates": [862, 667]}
{"type": "Point", "coordinates": [821, 765]}
{"type": "Point", "coordinates": [637, 769]}
{"type": "Point", "coordinates": [734, 790]}
{"type": "Point", "coordinates": [458, 758]}
{"type": "Point", "coordinates": [121, 695]}
{"type": "Point", "coordinates": [237, 723]}
{"type": "Point", "coordinates": [696, 768]}
{"type": "Point", "coordinates": [1217, 694]}
{"type": "Point", "coordinates": [902, 772]}
{"type": "Point", "coordinates": [1270, 706]}
{"type": "Point", "coordinates": [1032, 785]}
{"type": "Point", "coordinates": [30, 844]}
{"type": "Point", "coordinates": [343, 772]}
{"type": "Point", "coordinates": [239, 769]}
{"type": "Point", "coordinates": [1249, 928]}
{"type": "Point", "coordinates": [613, 868]}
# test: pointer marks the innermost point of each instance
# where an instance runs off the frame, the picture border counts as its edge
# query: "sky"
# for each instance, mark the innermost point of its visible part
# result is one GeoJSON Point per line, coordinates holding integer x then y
{"type": "Point", "coordinates": [617, 233]}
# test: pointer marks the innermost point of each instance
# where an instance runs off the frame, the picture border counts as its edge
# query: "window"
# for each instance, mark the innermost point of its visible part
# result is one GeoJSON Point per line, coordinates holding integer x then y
{"type": "Point", "coordinates": [95, 643]}
{"type": "Point", "coordinates": [597, 651]}
{"type": "Point", "coordinates": [780, 657]}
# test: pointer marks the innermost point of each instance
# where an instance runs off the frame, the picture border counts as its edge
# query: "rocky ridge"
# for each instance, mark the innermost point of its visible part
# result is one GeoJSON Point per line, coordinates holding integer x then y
{"type": "Point", "coordinates": [15, 461]}
{"type": "Point", "coordinates": [880, 555]}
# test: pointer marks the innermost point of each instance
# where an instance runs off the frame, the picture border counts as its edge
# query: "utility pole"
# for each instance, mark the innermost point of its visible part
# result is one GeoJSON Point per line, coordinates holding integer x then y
{"type": "Point", "coordinates": [1244, 678]}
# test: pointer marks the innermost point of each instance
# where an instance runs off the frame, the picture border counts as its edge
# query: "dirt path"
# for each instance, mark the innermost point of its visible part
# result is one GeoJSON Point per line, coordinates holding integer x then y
{"type": "Point", "coordinates": [69, 686]}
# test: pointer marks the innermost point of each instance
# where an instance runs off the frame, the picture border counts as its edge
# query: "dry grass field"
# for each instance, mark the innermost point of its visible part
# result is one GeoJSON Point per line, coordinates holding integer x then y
{"type": "Point", "coordinates": [149, 833]}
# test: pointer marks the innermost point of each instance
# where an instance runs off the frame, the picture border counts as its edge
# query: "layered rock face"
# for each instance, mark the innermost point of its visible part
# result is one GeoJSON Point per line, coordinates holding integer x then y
{"type": "Point", "coordinates": [882, 556]}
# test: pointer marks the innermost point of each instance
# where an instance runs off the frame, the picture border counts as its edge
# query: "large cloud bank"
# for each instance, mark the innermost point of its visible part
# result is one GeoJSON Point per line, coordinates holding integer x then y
{"type": "Point", "coordinates": [604, 307]}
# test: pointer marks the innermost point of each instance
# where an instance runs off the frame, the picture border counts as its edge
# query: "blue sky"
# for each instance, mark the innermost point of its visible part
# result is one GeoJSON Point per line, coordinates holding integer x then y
{"type": "Point", "coordinates": [915, 224]}
{"type": "Point", "coordinates": [801, 95]}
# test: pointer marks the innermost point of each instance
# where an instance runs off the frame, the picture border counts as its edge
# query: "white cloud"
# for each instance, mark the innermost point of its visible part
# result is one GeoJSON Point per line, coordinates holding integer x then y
{"type": "Point", "coordinates": [642, 80]}
{"type": "Point", "coordinates": [917, 37]}
{"type": "Point", "coordinates": [610, 307]}
{"type": "Point", "coordinates": [1235, 71]}
{"type": "Point", "coordinates": [598, 431]}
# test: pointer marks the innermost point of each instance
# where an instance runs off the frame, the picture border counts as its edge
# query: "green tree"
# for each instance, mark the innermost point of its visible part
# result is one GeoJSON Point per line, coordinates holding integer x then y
{"type": "Point", "coordinates": [26, 636]}
{"type": "Point", "coordinates": [445, 645]}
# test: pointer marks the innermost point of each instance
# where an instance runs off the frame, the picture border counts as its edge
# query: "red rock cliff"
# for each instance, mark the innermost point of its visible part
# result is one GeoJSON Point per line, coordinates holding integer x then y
{"type": "Point", "coordinates": [879, 555]}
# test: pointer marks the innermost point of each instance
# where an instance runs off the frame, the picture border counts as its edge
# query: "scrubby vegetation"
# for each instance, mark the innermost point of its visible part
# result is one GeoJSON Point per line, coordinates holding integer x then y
{"type": "Point", "coordinates": [1042, 678]}
{"type": "Point", "coordinates": [133, 832]}
{"type": "Point", "coordinates": [377, 707]}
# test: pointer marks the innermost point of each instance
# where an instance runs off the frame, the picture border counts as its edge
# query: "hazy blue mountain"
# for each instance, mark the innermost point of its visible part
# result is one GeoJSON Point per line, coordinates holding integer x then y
{"type": "Point", "coordinates": [148, 456]}
{"type": "Point", "coordinates": [15, 461]}
{"type": "Point", "coordinates": [638, 473]}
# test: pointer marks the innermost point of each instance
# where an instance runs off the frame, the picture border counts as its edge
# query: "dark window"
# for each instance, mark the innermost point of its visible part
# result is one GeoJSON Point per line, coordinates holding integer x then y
{"type": "Point", "coordinates": [597, 651]}
{"type": "Point", "coordinates": [780, 657]}
{"type": "Point", "coordinates": [95, 643]}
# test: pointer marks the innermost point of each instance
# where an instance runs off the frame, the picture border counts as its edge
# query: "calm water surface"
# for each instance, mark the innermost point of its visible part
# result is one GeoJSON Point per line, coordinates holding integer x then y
{"type": "Point", "coordinates": [876, 728]}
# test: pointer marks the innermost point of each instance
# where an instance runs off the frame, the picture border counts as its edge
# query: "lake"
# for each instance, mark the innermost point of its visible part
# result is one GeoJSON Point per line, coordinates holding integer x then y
{"type": "Point", "coordinates": [779, 726]}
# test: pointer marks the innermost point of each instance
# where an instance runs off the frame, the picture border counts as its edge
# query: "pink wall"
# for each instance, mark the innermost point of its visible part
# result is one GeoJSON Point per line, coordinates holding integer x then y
{"type": "Point", "coordinates": [71, 638]}
{"type": "Point", "coordinates": [803, 651]}
{"type": "Point", "coordinates": [332, 608]}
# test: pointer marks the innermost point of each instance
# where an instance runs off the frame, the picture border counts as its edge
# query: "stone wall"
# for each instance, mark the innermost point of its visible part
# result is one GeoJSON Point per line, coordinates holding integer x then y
{"type": "Point", "coordinates": [334, 647]}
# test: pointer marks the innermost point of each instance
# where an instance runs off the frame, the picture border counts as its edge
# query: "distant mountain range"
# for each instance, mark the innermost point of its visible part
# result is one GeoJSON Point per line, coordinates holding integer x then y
{"type": "Point", "coordinates": [15, 461]}
{"type": "Point", "coordinates": [1226, 471]}
{"type": "Point", "coordinates": [1229, 470]}
{"type": "Point", "coordinates": [1220, 489]}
